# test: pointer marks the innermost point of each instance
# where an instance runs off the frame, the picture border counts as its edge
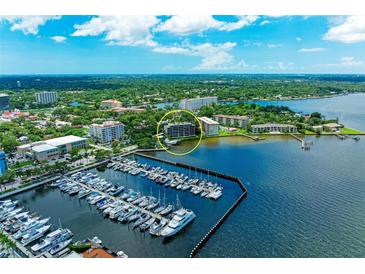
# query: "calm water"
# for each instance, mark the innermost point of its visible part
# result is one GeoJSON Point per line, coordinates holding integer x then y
{"type": "Point", "coordinates": [350, 109]}
{"type": "Point", "coordinates": [85, 220]}
{"type": "Point", "coordinates": [300, 203]}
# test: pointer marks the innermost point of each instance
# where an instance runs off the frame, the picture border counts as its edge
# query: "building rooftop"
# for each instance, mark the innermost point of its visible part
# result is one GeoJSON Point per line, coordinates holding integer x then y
{"type": "Point", "coordinates": [179, 124]}
{"type": "Point", "coordinates": [273, 125]}
{"type": "Point", "coordinates": [64, 140]}
{"type": "Point", "coordinates": [96, 253]}
{"type": "Point", "coordinates": [107, 124]}
{"type": "Point", "coordinates": [42, 148]}
{"type": "Point", "coordinates": [332, 125]}
{"type": "Point", "coordinates": [238, 117]}
{"type": "Point", "coordinates": [208, 121]}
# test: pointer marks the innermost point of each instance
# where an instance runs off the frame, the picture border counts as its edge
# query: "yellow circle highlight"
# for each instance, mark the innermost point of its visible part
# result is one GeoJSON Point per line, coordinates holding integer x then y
{"type": "Point", "coordinates": [176, 111]}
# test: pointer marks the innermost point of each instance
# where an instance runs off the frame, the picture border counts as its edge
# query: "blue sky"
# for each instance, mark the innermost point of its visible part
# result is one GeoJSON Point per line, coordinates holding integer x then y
{"type": "Point", "coordinates": [181, 44]}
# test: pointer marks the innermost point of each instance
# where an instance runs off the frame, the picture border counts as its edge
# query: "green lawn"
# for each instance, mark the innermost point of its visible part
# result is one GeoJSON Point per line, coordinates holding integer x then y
{"type": "Point", "coordinates": [346, 130]}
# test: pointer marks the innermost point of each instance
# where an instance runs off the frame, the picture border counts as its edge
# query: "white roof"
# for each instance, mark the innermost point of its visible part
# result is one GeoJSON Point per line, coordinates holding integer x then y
{"type": "Point", "coordinates": [273, 125]}
{"type": "Point", "coordinates": [42, 148]}
{"type": "Point", "coordinates": [208, 121]}
{"type": "Point", "coordinates": [64, 140]}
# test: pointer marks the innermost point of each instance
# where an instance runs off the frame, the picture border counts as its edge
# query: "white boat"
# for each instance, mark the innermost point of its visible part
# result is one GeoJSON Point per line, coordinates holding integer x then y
{"type": "Point", "coordinates": [59, 247]}
{"type": "Point", "coordinates": [181, 219]}
{"type": "Point", "coordinates": [34, 234]}
{"type": "Point", "coordinates": [32, 225]}
{"type": "Point", "coordinates": [166, 210]}
{"type": "Point", "coordinates": [52, 239]}
{"type": "Point", "coordinates": [215, 194]}
{"type": "Point", "coordinates": [156, 227]}
{"type": "Point", "coordinates": [113, 214]}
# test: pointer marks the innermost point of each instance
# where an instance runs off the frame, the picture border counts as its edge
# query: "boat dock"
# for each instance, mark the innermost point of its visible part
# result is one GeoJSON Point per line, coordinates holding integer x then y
{"type": "Point", "coordinates": [255, 138]}
{"type": "Point", "coordinates": [218, 224]}
{"type": "Point", "coordinates": [153, 173]}
{"type": "Point", "coordinates": [305, 145]}
{"type": "Point", "coordinates": [154, 215]}
{"type": "Point", "coordinates": [19, 247]}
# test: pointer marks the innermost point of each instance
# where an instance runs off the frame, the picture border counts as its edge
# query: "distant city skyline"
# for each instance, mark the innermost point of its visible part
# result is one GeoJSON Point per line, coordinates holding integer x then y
{"type": "Point", "coordinates": [181, 44]}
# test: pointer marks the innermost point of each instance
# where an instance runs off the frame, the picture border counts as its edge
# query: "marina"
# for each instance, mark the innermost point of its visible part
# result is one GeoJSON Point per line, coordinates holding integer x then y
{"type": "Point", "coordinates": [29, 231]}
{"type": "Point", "coordinates": [139, 236]}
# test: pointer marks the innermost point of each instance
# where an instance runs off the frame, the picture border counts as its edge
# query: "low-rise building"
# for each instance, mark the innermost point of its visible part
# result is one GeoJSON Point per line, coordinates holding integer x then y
{"type": "Point", "coordinates": [53, 148]}
{"type": "Point", "coordinates": [110, 104]}
{"type": "Point", "coordinates": [45, 152]}
{"type": "Point", "coordinates": [46, 97]}
{"type": "Point", "coordinates": [179, 130]}
{"type": "Point", "coordinates": [210, 127]}
{"type": "Point", "coordinates": [281, 128]}
{"type": "Point", "coordinates": [107, 131]}
{"type": "Point", "coordinates": [3, 163]}
{"type": "Point", "coordinates": [232, 120]}
{"type": "Point", "coordinates": [128, 109]}
{"type": "Point", "coordinates": [194, 104]}
{"type": "Point", "coordinates": [334, 127]}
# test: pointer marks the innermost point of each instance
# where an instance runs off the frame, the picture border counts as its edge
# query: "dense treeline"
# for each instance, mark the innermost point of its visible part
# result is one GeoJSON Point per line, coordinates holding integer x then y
{"type": "Point", "coordinates": [147, 89]}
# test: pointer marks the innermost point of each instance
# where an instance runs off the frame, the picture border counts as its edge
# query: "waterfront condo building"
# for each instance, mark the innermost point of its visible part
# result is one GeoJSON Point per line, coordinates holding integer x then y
{"type": "Point", "coordinates": [281, 128]}
{"type": "Point", "coordinates": [232, 120]}
{"type": "Point", "coordinates": [4, 101]}
{"type": "Point", "coordinates": [46, 97]}
{"type": "Point", "coordinates": [111, 104]}
{"type": "Point", "coordinates": [53, 148]}
{"type": "Point", "coordinates": [194, 104]}
{"type": "Point", "coordinates": [179, 130]}
{"type": "Point", "coordinates": [210, 127]}
{"type": "Point", "coordinates": [107, 131]}
{"type": "Point", "coordinates": [3, 163]}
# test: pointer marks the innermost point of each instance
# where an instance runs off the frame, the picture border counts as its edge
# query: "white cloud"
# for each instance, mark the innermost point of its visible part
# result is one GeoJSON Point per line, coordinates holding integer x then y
{"type": "Point", "coordinates": [350, 30]}
{"type": "Point", "coordinates": [213, 56]}
{"type": "Point", "coordinates": [120, 30]}
{"type": "Point", "coordinates": [27, 24]}
{"type": "Point", "coordinates": [285, 66]}
{"type": "Point", "coordinates": [350, 61]}
{"type": "Point", "coordinates": [265, 22]}
{"type": "Point", "coordinates": [243, 21]}
{"type": "Point", "coordinates": [345, 62]}
{"type": "Point", "coordinates": [58, 39]}
{"type": "Point", "coordinates": [186, 25]}
{"type": "Point", "coordinates": [298, 38]}
{"type": "Point", "coordinates": [271, 46]}
{"type": "Point", "coordinates": [311, 49]}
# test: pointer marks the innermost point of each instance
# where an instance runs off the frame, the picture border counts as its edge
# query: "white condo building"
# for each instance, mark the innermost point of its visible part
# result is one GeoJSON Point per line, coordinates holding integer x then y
{"type": "Point", "coordinates": [107, 131]}
{"type": "Point", "coordinates": [46, 97]}
{"type": "Point", "coordinates": [209, 126]}
{"type": "Point", "coordinates": [196, 103]}
{"type": "Point", "coordinates": [232, 120]}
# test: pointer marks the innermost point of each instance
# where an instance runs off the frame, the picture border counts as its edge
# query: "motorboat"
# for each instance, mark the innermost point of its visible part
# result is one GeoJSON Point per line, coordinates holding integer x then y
{"type": "Point", "coordinates": [32, 225]}
{"type": "Point", "coordinates": [157, 226]}
{"type": "Point", "coordinates": [142, 219]}
{"type": "Point", "coordinates": [147, 224]}
{"type": "Point", "coordinates": [60, 246]}
{"type": "Point", "coordinates": [34, 234]}
{"type": "Point", "coordinates": [166, 210]}
{"type": "Point", "coordinates": [182, 217]}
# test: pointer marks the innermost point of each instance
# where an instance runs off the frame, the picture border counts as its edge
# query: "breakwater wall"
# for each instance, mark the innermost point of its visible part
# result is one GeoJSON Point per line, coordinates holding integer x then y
{"type": "Point", "coordinates": [203, 241]}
